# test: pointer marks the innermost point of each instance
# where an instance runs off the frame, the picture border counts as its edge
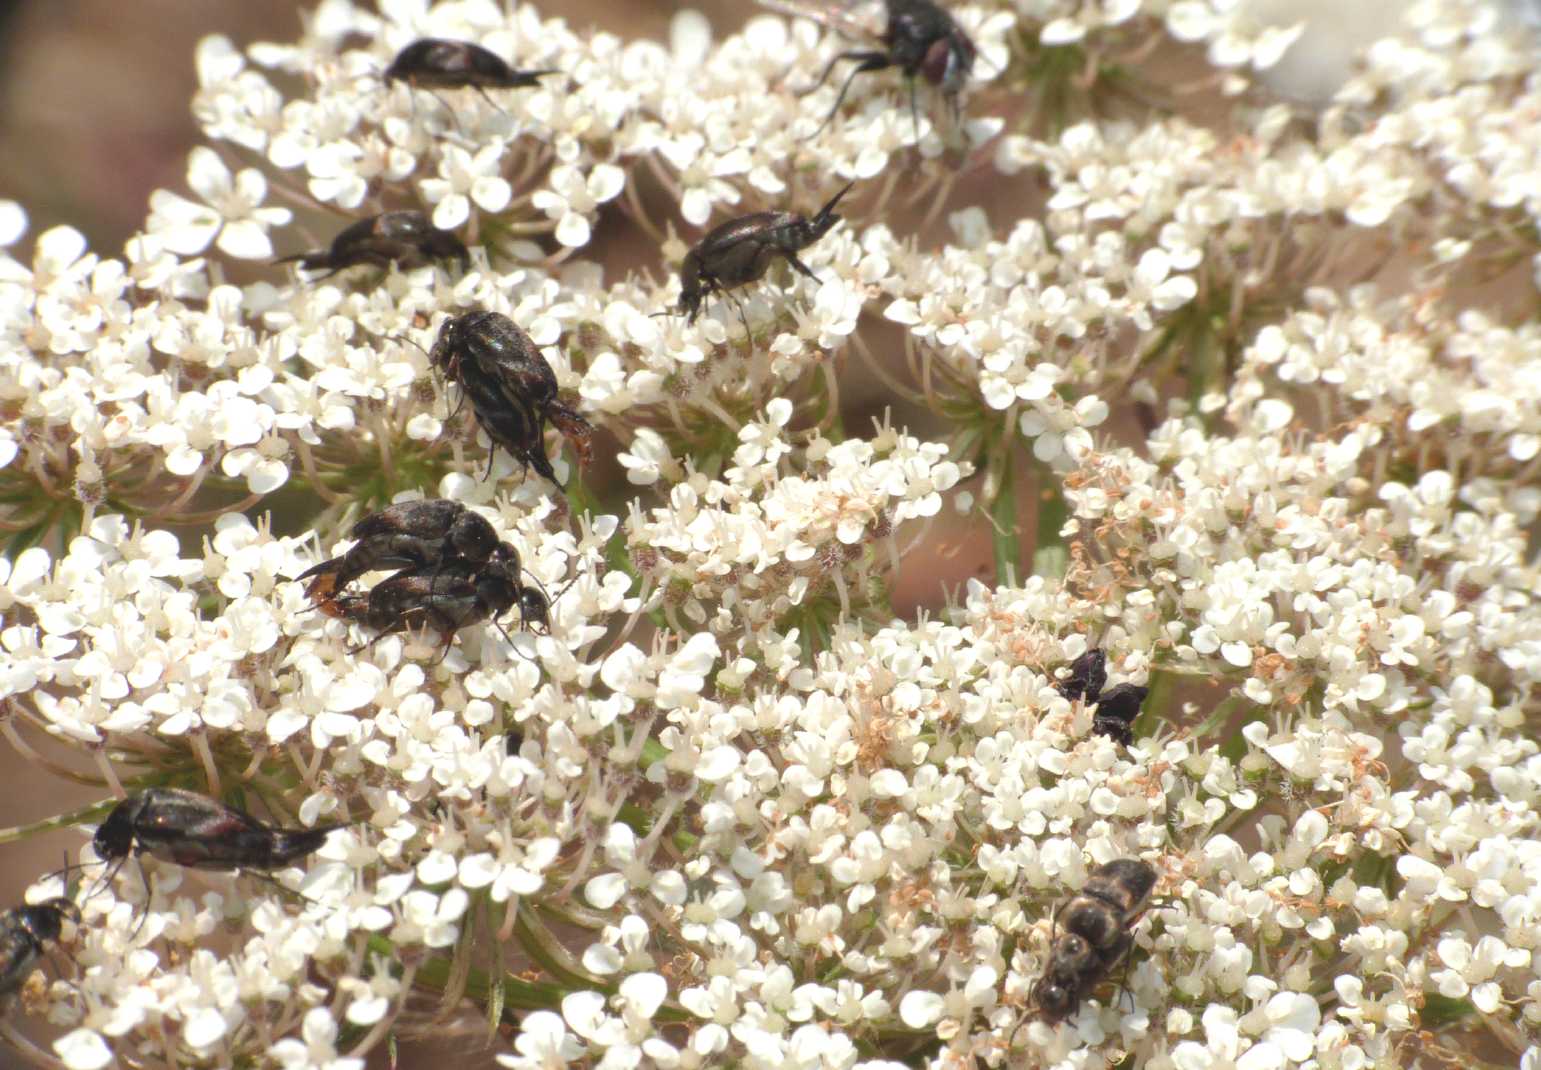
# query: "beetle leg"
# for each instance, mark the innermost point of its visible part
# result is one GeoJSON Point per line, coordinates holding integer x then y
{"type": "Point", "coordinates": [862, 55]}
{"type": "Point", "coordinates": [739, 305]}
{"type": "Point", "coordinates": [148, 892]}
{"type": "Point", "coordinates": [869, 61]}
{"type": "Point", "coordinates": [489, 99]}
{"type": "Point", "coordinates": [445, 104]}
{"type": "Point", "coordinates": [800, 266]}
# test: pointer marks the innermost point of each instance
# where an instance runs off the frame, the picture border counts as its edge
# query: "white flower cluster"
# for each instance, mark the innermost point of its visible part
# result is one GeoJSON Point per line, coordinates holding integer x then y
{"type": "Point", "coordinates": [739, 554]}
{"type": "Point", "coordinates": [1271, 377]}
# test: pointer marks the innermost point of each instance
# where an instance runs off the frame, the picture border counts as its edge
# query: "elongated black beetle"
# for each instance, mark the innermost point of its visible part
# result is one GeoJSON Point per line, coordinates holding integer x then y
{"type": "Point", "coordinates": [406, 238]}
{"type": "Point", "coordinates": [921, 40]}
{"type": "Point", "coordinates": [196, 831]}
{"type": "Point", "coordinates": [512, 389]}
{"type": "Point", "coordinates": [434, 63]}
{"type": "Point", "coordinates": [740, 251]}
{"type": "Point", "coordinates": [23, 932]}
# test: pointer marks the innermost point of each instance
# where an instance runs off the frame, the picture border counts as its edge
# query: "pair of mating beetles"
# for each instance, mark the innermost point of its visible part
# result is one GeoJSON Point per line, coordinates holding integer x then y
{"type": "Point", "coordinates": [452, 571]}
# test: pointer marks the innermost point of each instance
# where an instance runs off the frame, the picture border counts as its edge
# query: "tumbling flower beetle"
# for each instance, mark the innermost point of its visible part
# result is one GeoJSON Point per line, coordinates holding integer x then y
{"type": "Point", "coordinates": [406, 238]}
{"type": "Point", "coordinates": [1087, 675]}
{"type": "Point", "coordinates": [409, 535]}
{"type": "Point", "coordinates": [1117, 707]}
{"type": "Point", "coordinates": [433, 63]}
{"type": "Point", "coordinates": [513, 390]}
{"type": "Point", "coordinates": [741, 250]}
{"type": "Point", "coordinates": [23, 932]}
{"type": "Point", "coordinates": [196, 831]}
{"type": "Point", "coordinates": [1093, 935]}
{"type": "Point", "coordinates": [445, 600]}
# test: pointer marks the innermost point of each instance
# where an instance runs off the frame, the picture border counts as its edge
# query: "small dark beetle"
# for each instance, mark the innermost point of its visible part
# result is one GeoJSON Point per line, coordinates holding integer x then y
{"type": "Point", "coordinates": [443, 600]}
{"type": "Point", "coordinates": [410, 535]}
{"type": "Point", "coordinates": [23, 932]}
{"type": "Point", "coordinates": [741, 250]}
{"type": "Point", "coordinates": [194, 830]}
{"type": "Point", "coordinates": [433, 63]}
{"type": "Point", "coordinates": [1117, 707]}
{"type": "Point", "coordinates": [920, 39]}
{"type": "Point", "coordinates": [405, 238]}
{"type": "Point", "coordinates": [1087, 675]}
{"type": "Point", "coordinates": [511, 387]}
{"type": "Point", "coordinates": [1092, 935]}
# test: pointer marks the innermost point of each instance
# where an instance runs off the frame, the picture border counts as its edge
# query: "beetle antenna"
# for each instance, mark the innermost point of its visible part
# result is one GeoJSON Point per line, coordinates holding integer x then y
{"type": "Point", "coordinates": [412, 341]}
{"type": "Point", "coordinates": [489, 99]}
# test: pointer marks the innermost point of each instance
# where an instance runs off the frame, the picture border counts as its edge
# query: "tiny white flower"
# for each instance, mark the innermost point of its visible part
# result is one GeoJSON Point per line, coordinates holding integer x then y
{"type": "Point", "coordinates": [231, 209]}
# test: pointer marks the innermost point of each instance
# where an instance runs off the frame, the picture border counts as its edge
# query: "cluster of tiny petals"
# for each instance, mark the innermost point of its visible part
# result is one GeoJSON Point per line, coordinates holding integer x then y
{"type": "Point", "coordinates": [783, 522]}
{"type": "Point", "coordinates": [758, 821]}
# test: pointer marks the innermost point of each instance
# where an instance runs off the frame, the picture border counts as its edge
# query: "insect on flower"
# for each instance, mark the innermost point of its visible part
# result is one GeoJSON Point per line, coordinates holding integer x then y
{"type": "Point", "coordinates": [512, 389]}
{"type": "Point", "coordinates": [197, 831]}
{"type": "Point", "coordinates": [1117, 707]}
{"type": "Point", "coordinates": [919, 38]}
{"type": "Point", "coordinates": [434, 63]}
{"type": "Point", "coordinates": [740, 251]}
{"type": "Point", "coordinates": [1092, 935]}
{"type": "Point", "coordinates": [1087, 675]}
{"type": "Point", "coordinates": [409, 535]}
{"type": "Point", "coordinates": [406, 238]}
{"type": "Point", "coordinates": [444, 600]}
{"type": "Point", "coordinates": [23, 932]}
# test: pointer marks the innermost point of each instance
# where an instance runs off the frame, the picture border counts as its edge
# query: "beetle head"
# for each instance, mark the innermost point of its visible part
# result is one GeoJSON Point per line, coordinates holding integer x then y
{"type": "Point", "coordinates": [690, 287]}
{"type": "Point", "coordinates": [115, 836]}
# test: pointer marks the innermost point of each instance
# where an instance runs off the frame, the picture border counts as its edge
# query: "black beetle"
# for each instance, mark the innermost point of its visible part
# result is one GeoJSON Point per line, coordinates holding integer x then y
{"type": "Point", "coordinates": [920, 39]}
{"type": "Point", "coordinates": [444, 600]}
{"type": "Point", "coordinates": [23, 931]}
{"type": "Point", "coordinates": [740, 251]}
{"type": "Point", "coordinates": [512, 389]}
{"type": "Point", "coordinates": [197, 831]}
{"type": "Point", "coordinates": [434, 63]}
{"type": "Point", "coordinates": [1117, 708]}
{"type": "Point", "coordinates": [1087, 675]}
{"type": "Point", "coordinates": [406, 238]}
{"type": "Point", "coordinates": [407, 535]}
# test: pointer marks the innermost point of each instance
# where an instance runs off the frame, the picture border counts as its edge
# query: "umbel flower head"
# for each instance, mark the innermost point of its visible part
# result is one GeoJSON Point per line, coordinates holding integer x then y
{"type": "Point", "coordinates": [754, 741]}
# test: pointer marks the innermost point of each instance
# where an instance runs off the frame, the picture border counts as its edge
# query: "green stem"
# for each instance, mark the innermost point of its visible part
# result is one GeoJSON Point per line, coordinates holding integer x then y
{"type": "Point", "coordinates": [1051, 557]}
{"type": "Point", "coordinates": [93, 812]}
{"type": "Point", "coordinates": [1003, 517]}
